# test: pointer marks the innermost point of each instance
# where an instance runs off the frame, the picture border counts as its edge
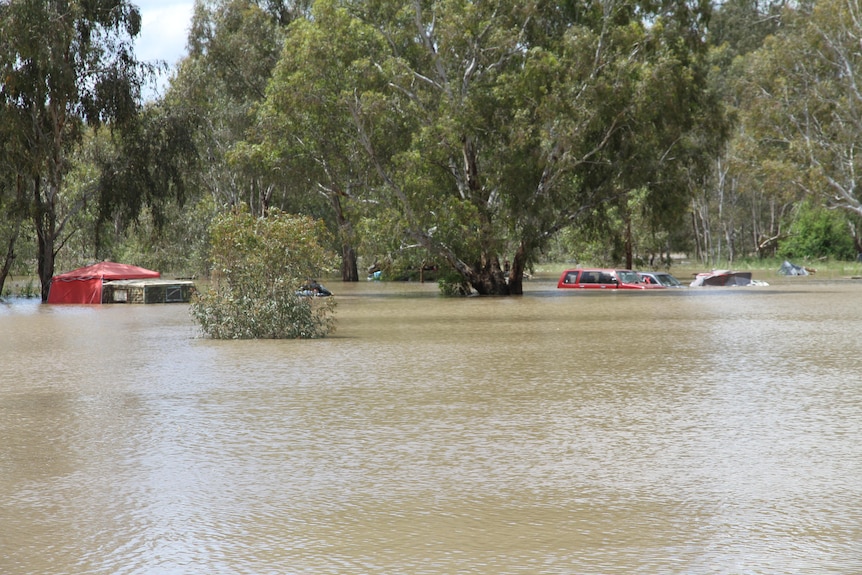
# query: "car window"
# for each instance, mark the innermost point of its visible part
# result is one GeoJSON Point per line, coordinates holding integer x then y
{"type": "Point", "coordinates": [667, 280]}
{"type": "Point", "coordinates": [629, 277]}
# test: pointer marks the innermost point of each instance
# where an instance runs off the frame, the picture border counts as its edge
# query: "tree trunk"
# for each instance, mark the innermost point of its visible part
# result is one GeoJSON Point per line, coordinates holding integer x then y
{"type": "Point", "coordinates": [857, 242]}
{"type": "Point", "coordinates": [516, 273]}
{"type": "Point", "coordinates": [17, 217]}
{"type": "Point", "coordinates": [490, 279]}
{"type": "Point", "coordinates": [45, 220]}
{"type": "Point", "coordinates": [349, 271]}
{"type": "Point", "coordinates": [10, 256]}
{"type": "Point", "coordinates": [628, 242]}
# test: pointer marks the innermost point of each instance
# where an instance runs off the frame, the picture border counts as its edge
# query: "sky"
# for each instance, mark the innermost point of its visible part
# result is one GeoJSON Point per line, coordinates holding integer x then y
{"type": "Point", "coordinates": [165, 27]}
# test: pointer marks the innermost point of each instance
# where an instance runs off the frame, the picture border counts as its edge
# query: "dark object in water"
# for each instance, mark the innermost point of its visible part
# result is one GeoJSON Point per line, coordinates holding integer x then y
{"type": "Point", "coordinates": [722, 278]}
{"type": "Point", "coordinates": [313, 289]}
{"type": "Point", "coordinates": [789, 269]}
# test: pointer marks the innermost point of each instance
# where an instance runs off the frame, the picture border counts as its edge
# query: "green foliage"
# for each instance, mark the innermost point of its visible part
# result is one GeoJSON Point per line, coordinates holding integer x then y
{"type": "Point", "coordinates": [818, 233]}
{"type": "Point", "coordinates": [258, 265]}
{"type": "Point", "coordinates": [63, 65]}
{"type": "Point", "coordinates": [514, 121]}
{"type": "Point", "coordinates": [452, 284]}
{"type": "Point", "coordinates": [578, 245]}
{"type": "Point", "coordinates": [457, 134]}
{"type": "Point", "coordinates": [180, 245]}
{"type": "Point", "coordinates": [233, 47]}
{"type": "Point", "coordinates": [146, 168]}
{"type": "Point", "coordinates": [740, 26]}
{"type": "Point", "coordinates": [799, 102]}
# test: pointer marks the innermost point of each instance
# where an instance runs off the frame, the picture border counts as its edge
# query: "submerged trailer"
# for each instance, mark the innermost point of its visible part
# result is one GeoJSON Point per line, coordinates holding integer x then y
{"type": "Point", "coordinates": [148, 291]}
{"type": "Point", "coordinates": [110, 282]}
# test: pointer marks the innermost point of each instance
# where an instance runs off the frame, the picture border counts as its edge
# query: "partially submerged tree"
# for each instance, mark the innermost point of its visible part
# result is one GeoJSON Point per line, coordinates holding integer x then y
{"type": "Point", "coordinates": [259, 264]}
{"type": "Point", "coordinates": [491, 126]}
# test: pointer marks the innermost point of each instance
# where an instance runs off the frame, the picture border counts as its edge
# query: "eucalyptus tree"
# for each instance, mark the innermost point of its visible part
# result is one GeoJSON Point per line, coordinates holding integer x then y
{"type": "Point", "coordinates": [286, 11]}
{"type": "Point", "coordinates": [672, 126]}
{"type": "Point", "coordinates": [802, 104]}
{"type": "Point", "coordinates": [13, 193]}
{"type": "Point", "coordinates": [740, 206]}
{"type": "Point", "coordinates": [63, 64]}
{"type": "Point", "coordinates": [738, 27]}
{"type": "Point", "coordinates": [233, 46]}
{"type": "Point", "coordinates": [144, 170]}
{"type": "Point", "coordinates": [528, 118]}
{"type": "Point", "coordinates": [491, 126]}
{"type": "Point", "coordinates": [305, 129]}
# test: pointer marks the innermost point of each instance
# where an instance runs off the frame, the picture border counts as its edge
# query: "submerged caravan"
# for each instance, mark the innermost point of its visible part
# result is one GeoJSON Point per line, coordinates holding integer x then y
{"type": "Point", "coordinates": [725, 278]}
{"type": "Point", "coordinates": [111, 282]}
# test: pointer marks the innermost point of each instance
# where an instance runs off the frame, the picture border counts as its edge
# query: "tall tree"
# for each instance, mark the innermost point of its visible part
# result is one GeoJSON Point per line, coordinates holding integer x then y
{"type": "Point", "coordinates": [802, 103]}
{"type": "Point", "coordinates": [305, 128]}
{"type": "Point", "coordinates": [740, 206]}
{"type": "Point", "coordinates": [64, 63]}
{"type": "Point", "coordinates": [13, 192]}
{"type": "Point", "coordinates": [147, 166]}
{"type": "Point", "coordinates": [233, 46]}
{"type": "Point", "coordinates": [493, 125]}
{"type": "Point", "coordinates": [672, 125]}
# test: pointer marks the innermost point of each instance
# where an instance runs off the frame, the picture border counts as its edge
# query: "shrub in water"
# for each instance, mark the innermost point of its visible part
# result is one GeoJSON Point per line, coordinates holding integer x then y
{"type": "Point", "coordinates": [258, 266]}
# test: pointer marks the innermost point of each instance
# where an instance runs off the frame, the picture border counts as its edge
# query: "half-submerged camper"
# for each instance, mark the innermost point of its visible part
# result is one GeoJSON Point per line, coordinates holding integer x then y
{"type": "Point", "coordinates": [110, 282]}
{"type": "Point", "coordinates": [725, 278]}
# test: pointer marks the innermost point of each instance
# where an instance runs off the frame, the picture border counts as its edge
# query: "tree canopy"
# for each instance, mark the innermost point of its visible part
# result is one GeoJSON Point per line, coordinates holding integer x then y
{"type": "Point", "coordinates": [64, 65]}
{"type": "Point", "coordinates": [489, 127]}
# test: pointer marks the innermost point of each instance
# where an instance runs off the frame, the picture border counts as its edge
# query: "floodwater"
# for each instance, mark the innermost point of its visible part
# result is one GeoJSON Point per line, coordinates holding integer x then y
{"type": "Point", "coordinates": [696, 431]}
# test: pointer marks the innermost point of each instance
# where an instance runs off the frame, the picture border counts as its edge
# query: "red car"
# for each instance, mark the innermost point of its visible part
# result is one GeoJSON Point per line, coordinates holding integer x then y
{"type": "Point", "coordinates": [603, 279]}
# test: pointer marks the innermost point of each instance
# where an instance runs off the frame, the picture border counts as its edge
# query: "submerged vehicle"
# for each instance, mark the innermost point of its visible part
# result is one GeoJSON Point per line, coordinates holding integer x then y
{"type": "Point", "coordinates": [725, 278]}
{"type": "Point", "coordinates": [661, 278]}
{"type": "Point", "coordinates": [604, 279]}
{"type": "Point", "coordinates": [313, 289]}
{"type": "Point", "coordinates": [789, 269]}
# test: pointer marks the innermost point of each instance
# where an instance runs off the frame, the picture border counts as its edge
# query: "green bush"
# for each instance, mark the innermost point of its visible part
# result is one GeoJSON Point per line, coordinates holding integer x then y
{"type": "Point", "coordinates": [258, 266]}
{"type": "Point", "coordinates": [818, 233]}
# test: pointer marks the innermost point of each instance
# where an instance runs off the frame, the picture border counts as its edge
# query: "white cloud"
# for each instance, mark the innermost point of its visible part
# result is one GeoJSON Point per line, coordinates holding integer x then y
{"type": "Point", "coordinates": [164, 32]}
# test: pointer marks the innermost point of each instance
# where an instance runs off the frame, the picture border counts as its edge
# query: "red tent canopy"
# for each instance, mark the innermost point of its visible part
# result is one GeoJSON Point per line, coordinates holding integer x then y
{"type": "Point", "coordinates": [84, 285]}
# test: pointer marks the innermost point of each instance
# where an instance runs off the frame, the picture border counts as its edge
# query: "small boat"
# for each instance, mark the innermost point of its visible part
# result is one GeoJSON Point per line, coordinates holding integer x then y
{"type": "Point", "coordinates": [724, 278]}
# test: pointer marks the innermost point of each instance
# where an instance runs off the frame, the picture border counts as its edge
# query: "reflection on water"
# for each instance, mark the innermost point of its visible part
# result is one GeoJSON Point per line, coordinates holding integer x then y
{"type": "Point", "coordinates": [694, 431]}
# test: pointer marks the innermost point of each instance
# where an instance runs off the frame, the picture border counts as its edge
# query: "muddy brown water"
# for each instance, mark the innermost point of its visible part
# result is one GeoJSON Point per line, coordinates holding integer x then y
{"type": "Point", "coordinates": [697, 431]}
